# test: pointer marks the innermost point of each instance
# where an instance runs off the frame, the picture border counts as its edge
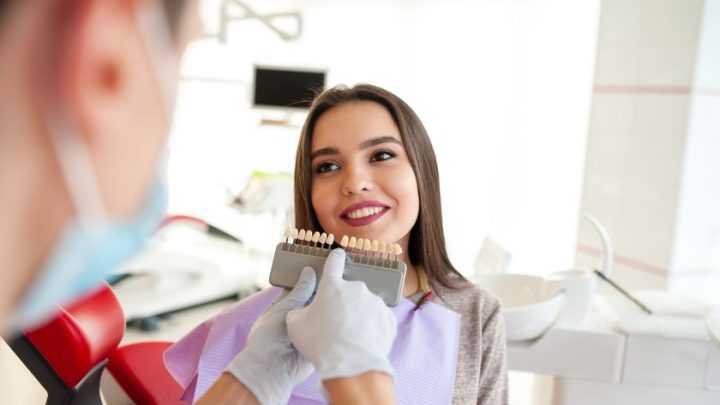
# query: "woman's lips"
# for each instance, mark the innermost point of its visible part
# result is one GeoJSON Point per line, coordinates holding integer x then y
{"type": "Point", "coordinates": [364, 213]}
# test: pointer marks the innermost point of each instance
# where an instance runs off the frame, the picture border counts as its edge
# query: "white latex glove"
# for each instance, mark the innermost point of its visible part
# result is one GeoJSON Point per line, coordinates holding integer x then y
{"type": "Point", "coordinates": [269, 366]}
{"type": "Point", "coordinates": [346, 330]}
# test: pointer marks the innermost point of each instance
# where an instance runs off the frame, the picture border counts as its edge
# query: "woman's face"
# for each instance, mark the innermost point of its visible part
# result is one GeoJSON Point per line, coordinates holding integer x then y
{"type": "Point", "coordinates": [362, 182]}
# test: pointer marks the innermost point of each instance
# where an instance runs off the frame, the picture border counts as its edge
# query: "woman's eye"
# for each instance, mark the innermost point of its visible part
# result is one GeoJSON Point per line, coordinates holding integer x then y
{"type": "Point", "coordinates": [382, 155]}
{"type": "Point", "coordinates": [326, 167]}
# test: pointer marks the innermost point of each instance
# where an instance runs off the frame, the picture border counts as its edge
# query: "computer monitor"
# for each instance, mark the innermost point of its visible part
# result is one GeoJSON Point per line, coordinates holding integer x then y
{"type": "Point", "coordinates": [286, 88]}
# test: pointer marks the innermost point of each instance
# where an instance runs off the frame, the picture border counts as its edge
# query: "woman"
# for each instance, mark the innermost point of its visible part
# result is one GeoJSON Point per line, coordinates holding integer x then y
{"type": "Point", "coordinates": [365, 167]}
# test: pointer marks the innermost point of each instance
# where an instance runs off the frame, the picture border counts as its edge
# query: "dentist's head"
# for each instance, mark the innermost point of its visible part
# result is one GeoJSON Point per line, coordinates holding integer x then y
{"type": "Point", "coordinates": [86, 93]}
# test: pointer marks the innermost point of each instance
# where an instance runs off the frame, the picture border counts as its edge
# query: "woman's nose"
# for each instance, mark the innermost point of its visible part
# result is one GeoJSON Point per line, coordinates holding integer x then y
{"type": "Point", "coordinates": [356, 181]}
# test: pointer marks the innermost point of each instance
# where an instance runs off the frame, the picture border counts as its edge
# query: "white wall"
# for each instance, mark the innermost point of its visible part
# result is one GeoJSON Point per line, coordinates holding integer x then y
{"type": "Point", "coordinates": [502, 86]}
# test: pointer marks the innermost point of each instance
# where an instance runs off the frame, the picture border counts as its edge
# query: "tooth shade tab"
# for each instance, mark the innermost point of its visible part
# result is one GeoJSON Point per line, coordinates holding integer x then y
{"type": "Point", "coordinates": [294, 233]}
{"type": "Point", "coordinates": [367, 245]}
{"type": "Point", "coordinates": [353, 243]}
{"type": "Point", "coordinates": [344, 242]}
{"type": "Point", "coordinates": [375, 246]}
{"type": "Point", "coordinates": [397, 250]}
{"type": "Point", "coordinates": [330, 239]}
{"type": "Point", "coordinates": [301, 235]}
{"type": "Point", "coordinates": [383, 247]}
{"type": "Point", "coordinates": [316, 237]}
{"type": "Point", "coordinates": [323, 238]}
{"type": "Point", "coordinates": [308, 236]}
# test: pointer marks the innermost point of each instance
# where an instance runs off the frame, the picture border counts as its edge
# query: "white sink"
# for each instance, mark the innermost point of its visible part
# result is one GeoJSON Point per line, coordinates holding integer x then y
{"type": "Point", "coordinates": [530, 305]}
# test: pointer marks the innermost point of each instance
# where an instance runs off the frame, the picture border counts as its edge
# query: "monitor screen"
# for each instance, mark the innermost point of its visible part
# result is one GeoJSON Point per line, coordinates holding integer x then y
{"type": "Point", "coordinates": [277, 87]}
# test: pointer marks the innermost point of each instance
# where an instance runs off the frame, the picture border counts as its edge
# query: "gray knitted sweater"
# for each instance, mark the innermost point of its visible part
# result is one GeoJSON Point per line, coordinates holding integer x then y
{"type": "Point", "coordinates": [482, 361]}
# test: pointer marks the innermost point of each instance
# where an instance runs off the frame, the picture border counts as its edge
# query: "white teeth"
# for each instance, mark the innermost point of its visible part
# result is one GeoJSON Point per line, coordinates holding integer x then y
{"type": "Point", "coordinates": [364, 212]}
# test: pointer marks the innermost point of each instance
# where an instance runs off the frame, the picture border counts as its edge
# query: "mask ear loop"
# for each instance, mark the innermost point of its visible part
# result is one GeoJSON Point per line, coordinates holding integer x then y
{"type": "Point", "coordinates": [160, 49]}
{"type": "Point", "coordinates": [162, 54]}
{"type": "Point", "coordinates": [77, 168]}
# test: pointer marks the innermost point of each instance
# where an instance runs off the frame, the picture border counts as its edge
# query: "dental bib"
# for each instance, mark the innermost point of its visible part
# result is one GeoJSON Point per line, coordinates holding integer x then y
{"type": "Point", "coordinates": [424, 354]}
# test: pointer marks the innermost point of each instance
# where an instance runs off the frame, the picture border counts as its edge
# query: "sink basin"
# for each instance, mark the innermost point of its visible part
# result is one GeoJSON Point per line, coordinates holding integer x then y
{"type": "Point", "coordinates": [530, 305]}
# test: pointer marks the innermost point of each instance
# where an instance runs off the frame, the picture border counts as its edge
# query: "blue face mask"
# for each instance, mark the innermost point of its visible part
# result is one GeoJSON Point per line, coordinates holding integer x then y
{"type": "Point", "coordinates": [85, 254]}
{"type": "Point", "coordinates": [92, 244]}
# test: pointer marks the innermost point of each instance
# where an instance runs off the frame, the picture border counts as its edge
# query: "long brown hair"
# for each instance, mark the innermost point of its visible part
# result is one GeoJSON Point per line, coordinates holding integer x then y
{"type": "Point", "coordinates": [426, 247]}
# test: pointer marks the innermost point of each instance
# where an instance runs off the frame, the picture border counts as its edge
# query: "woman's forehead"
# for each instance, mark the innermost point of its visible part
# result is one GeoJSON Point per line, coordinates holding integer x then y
{"type": "Point", "coordinates": [350, 124]}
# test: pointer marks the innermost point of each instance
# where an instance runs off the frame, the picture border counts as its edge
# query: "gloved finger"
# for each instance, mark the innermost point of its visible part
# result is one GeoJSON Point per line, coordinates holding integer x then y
{"type": "Point", "coordinates": [302, 291]}
{"type": "Point", "coordinates": [334, 266]}
{"type": "Point", "coordinates": [293, 316]}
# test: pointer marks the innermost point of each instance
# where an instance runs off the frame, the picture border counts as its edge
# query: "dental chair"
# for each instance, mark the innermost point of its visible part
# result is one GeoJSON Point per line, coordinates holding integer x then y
{"type": "Point", "coordinates": [68, 354]}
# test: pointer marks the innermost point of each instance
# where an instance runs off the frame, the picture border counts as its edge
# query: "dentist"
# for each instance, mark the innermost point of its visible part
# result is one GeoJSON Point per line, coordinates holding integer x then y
{"type": "Point", "coordinates": [86, 95]}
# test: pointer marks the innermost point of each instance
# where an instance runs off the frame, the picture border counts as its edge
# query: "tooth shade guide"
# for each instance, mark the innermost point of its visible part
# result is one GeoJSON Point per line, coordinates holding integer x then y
{"type": "Point", "coordinates": [315, 238]}
{"type": "Point", "coordinates": [286, 235]}
{"type": "Point", "coordinates": [360, 250]}
{"type": "Point", "coordinates": [398, 251]}
{"type": "Point", "coordinates": [359, 247]}
{"type": "Point", "coordinates": [383, 277]}
{"type": "Point", "coordinates": [367, 246]}
{"type": "Point", "coordinates": [301, 235]}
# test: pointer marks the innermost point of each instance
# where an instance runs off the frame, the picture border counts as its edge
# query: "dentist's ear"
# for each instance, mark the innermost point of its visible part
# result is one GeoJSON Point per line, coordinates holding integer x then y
{"type": "Point", "coordinates": [107, 86]}
{"type": "Point", "coordinates": [92, 70]}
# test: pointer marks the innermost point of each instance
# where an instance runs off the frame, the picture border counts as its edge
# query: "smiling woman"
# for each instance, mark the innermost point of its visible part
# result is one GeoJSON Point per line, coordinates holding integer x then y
{"type": "Point", "coordinates": [366, 120]}
{"type": "Point", "coordinates": [365, 167]}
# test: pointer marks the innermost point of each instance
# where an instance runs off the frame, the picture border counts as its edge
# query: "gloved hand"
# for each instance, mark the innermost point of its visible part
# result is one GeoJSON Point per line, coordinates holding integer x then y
{"type": "Point", "coordinates": [269, 366]}
{"type": "Point", "coordinates": [346, 330]}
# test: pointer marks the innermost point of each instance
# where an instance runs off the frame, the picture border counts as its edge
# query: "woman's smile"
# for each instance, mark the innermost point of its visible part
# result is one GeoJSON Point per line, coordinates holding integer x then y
{"type": "Point", "coordinates": [364, 213]}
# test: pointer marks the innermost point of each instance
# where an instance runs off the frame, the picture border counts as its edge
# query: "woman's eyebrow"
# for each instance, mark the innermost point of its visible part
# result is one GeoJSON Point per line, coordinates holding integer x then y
{"type": "Point", "coordinates": [323, 151]}
{"type": "Point", "coordinates": [364, 145]}
{"type": "Point", "coordinates": [377, 141]}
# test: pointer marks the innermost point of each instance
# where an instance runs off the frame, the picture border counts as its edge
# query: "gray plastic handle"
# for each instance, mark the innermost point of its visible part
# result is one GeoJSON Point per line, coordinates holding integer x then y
{"type": "Point", "coordinates": [385, 278]}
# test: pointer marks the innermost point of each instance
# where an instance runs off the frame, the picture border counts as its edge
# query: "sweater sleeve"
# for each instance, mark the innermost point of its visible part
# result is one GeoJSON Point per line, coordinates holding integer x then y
{"type": "Point", "coordinates": [493, 382]}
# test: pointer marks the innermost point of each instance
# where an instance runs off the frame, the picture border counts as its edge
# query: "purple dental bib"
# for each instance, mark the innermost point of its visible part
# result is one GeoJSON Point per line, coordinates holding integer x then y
{"type": "Point", "coordinates": [424, 354]}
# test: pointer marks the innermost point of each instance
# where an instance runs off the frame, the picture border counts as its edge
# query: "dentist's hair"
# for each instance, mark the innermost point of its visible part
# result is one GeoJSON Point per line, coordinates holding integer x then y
{"type": "Point", "coordinates": [426, 247]}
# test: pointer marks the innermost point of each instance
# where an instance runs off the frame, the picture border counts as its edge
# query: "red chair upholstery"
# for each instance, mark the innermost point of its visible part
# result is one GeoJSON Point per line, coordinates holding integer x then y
{"type": "Point", "coordinates": [68, 354]}
{"type": "Point", "coordinates": [145, 385]}
{"type": "Point", "coordinates": [82, 335]}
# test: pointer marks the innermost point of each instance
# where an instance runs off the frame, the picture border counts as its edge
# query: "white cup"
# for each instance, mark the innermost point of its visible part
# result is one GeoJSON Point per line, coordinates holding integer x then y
{"type": "Point", "coordinates": [579, 286]}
